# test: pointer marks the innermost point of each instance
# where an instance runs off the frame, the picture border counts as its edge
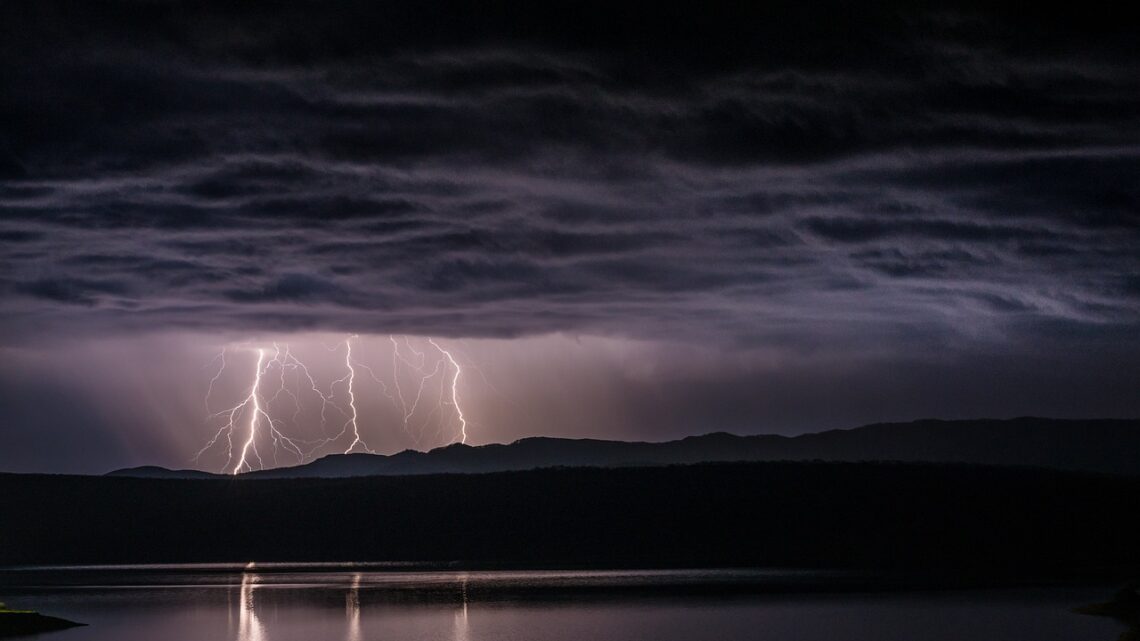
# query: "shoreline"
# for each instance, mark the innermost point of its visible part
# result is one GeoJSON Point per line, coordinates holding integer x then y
{"type": "Point", "coordinates": [15, 623]}
{"type": "Point", "coordinates": [565, 580]}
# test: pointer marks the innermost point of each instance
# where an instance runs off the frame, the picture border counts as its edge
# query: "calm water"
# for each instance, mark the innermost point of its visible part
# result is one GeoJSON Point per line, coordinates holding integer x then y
{"type": "Point", "coordinates": [321, 603]}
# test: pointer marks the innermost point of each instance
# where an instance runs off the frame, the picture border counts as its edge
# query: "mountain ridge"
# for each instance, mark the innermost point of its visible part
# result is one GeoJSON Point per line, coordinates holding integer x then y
{"type": "Point", "coordinates": [1110, 446]}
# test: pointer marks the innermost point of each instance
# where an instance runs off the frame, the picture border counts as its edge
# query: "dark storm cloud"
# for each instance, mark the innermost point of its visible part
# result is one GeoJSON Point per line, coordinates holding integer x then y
{"type": "Point", "coordinates": [753, 175]}
{"type": "Point", "coordinates": [861, 230]}
{"type": "Point", "coordinates": [895, 262]}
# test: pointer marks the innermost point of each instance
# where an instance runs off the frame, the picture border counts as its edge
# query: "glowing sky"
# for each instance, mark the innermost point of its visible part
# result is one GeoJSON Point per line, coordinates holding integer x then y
{"type": "Point", "coordinates": [638, 221]}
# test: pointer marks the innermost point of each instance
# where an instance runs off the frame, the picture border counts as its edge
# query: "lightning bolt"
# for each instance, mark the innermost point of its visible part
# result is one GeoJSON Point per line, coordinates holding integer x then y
{"type": "Point", "coordinates": [282, 388]}
{"type": "Point", "coordinates": [374, 377]}
{"type": "Point", "coordinates": [221, 368]}
{"type": "Point", "coordinates": [229, 427]}
{"type": "Point", "coordinates": [233, 414]}
{"type": "Point", "coordinates": [326, 400]}
{"type": "Point", "coordinates": [398, 358]}
{"type": "Point", "coordinates": [446, 362]}
{"type": "Point", "coordinates": [288, 362]}
{"type": "Point", "coordinates": [250, 423]}
{"type": "Point", "coordinates": [252, 405]}
{"type": "Point", "coordinates": [409, 412]}
{"type": "Point", "coordinates": [254, 398]}
{"type": "Point", "coordinates": [352, 415]}
{"type": "Point", "coordinates": [352, 399]}
{"type": "Point", "coordinates": [454, 391]}
{"type": "Point", "coordinates": [420, 355]}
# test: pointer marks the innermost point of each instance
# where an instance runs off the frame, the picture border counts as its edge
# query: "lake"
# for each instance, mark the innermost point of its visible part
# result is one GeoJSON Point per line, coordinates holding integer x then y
{"type": "Point", "coordinates": [374, 602]}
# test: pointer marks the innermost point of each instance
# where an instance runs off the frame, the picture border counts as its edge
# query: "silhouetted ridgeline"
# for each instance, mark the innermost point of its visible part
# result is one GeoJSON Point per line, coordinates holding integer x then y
{"type": "Point", "coordinates": [1110, 446]}
{"type": "Point", "coordinates": [841, 515]}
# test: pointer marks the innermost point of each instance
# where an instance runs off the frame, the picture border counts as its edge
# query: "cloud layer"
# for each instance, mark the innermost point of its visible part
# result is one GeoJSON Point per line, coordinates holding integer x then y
{"type": "Point", "coordinates": [934, 174]}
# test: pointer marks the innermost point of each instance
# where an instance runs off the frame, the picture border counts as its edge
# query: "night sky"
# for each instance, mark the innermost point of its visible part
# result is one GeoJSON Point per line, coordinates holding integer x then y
{"type": "Point", "coordinates": [628, 220]}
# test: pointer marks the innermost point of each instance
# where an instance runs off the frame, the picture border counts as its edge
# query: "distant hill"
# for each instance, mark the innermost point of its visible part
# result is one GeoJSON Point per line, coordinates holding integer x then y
{"type": "Point", "coordinates": [156, 472]}
{"type": "Point", "coordinates": [1105, 446]}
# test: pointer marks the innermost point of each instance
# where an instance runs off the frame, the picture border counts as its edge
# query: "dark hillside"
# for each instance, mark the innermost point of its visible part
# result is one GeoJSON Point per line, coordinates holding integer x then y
{"type": "Point", "coordinates": [880, 516]}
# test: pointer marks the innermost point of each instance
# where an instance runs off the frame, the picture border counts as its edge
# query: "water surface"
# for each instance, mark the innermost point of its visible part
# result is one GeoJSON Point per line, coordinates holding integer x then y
{"type": "Point", "coordinates": [374, 603]}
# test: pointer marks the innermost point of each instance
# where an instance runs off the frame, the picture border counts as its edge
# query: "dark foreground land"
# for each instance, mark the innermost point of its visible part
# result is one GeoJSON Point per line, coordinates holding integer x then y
{"type": "Point", "coordinates": [20, 623]}
{"type": "Point", "coordinates": [915, 518]}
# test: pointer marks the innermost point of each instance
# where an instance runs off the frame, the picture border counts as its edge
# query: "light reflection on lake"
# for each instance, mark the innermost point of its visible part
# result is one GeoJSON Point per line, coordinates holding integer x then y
{"type": "Point", "coordinates": [317, 603]}
{"type": "Point", "coordinates": [249, 627]}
